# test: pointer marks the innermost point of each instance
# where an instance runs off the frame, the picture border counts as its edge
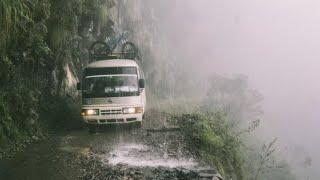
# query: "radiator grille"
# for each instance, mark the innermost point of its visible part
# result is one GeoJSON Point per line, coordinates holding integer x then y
{"type": "Point", "coordinates": [111, 111]}
{"type": "Point", "coordinates": [111, 120]}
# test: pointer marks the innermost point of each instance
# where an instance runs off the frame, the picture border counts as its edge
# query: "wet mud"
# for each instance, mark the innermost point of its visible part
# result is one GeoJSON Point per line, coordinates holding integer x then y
{"type": "Point", "coordinates": [111, 153]}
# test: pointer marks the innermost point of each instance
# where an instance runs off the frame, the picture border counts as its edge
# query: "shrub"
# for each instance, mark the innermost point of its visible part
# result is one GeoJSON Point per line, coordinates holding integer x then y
{"type": "Point", "coordinates": [210, 137]}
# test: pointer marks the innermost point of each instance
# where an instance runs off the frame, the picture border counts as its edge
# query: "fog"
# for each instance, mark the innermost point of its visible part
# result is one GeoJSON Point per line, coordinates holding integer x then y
{"type": "Point", "coordinates": [275, 43]}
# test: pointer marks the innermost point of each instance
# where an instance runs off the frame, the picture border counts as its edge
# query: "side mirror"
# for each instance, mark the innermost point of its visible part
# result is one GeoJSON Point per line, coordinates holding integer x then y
{"type": "Point", "coordinates": [141, 83]}
{"type": "Point", "coordinates": [78, 86]}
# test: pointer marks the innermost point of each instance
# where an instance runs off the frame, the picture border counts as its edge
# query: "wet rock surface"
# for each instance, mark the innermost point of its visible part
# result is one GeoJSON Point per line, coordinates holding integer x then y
{"type": "Point", "coordinates": [98, 170]}
{"type": "Point", "coordinates": [112, 153]}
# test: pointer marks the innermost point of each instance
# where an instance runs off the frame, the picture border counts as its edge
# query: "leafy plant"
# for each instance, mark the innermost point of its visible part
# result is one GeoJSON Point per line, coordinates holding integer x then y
{"type": "Point", "coordinates": [210, 137]}
{"type": "Point", "coordinates": [41, 41]}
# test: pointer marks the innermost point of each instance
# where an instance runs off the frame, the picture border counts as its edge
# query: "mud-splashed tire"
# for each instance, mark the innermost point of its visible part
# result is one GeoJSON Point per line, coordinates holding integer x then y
{"type": "Point", "coordinates": [92, 128]}
{"type": "Point", "coordinates": [134, 125]}
{"type": "Point", "coordinates": [139, 124]}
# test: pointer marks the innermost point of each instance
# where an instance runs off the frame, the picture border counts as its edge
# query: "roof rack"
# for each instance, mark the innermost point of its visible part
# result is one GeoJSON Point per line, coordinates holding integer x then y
{"type": "Point", "coordinates": [101, 51]}
{"type": "Point", "coordinates": [114, 55]}
{"type": "Point", "coordinates": [97, 57]}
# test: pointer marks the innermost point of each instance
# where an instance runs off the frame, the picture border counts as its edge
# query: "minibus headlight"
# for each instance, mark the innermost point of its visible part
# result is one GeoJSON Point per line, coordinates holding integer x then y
{"type": "Point", "coordinates": [89, 112]}
{"type": "Point", "coordinates": [132, 110]}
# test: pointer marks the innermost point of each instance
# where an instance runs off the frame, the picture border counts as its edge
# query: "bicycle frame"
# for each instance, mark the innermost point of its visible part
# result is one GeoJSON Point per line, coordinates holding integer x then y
{"type": "Point", "coordinates": [113, 42]}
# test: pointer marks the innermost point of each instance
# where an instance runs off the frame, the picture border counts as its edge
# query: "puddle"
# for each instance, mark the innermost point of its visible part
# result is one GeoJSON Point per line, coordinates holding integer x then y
{"type": "Point", "coordinates": [139, 155]}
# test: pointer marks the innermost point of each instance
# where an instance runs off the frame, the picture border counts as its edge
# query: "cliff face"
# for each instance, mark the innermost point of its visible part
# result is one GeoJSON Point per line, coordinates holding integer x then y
{"type": "Point", "coordinates": [42, 51]}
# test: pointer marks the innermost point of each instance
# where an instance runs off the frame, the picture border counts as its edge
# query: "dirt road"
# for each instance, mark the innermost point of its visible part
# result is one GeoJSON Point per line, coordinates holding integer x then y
{"type": "Point", "coordinates": [113, 153]}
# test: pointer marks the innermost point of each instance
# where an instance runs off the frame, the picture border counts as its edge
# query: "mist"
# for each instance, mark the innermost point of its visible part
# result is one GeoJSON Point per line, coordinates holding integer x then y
{"type": "Point", "coordinates": [274, 43]}
{"type": "Point", "coordinates": [230, 89]}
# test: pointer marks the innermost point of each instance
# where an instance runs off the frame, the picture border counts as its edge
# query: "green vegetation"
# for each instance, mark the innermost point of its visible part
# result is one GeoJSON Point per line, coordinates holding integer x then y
{"type": "Point", "coordinates": [221, 130]}
{"type": "Point", "coordinates": [42, 50]}
{"type": "Point", "coordinates": [24, 65]}
{"type": "Point", "coordinates": [211, 138]}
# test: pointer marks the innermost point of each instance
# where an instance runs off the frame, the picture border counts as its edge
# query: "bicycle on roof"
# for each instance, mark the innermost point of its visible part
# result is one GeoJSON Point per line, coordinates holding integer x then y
{"type": "Point", "coordinates": [101, 49]}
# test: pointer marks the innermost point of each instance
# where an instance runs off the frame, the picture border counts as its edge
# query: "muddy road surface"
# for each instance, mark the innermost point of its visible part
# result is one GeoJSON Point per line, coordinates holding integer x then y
{"type": "Point", "coordinates": [111, 153]}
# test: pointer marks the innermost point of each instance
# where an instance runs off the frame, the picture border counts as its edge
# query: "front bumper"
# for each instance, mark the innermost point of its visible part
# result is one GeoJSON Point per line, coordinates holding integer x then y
{"type": "Point", "coordinates": [118, 119]}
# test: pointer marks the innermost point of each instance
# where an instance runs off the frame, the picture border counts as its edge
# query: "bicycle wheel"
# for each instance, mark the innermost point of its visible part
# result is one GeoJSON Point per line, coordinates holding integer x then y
{"type": "Point", "coordinates": [99, 49]}
{"type": "Point", "coordinates": [129, 50]}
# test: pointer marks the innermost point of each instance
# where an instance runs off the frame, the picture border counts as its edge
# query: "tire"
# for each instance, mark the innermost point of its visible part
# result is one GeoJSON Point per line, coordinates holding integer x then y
{"type": "Point", "coordinates": [134, 125]}
{"type": "Point", "coordinates": [129, 50]}
{"type": "Point", "coordinates": [99, 49]}
{"type": "Point", "coordinates": [139, 124]}
{"type": "Point", "coordinates": [92, 128]}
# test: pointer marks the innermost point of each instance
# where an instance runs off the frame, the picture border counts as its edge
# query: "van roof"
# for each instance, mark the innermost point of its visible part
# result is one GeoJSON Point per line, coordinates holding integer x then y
{"type": "Point", "coordinates": [113, 63]}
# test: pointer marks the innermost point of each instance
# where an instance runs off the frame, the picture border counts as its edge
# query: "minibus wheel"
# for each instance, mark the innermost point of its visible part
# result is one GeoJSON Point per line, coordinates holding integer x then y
{"type": "Point", "coordinates": [139, 124]}
{"type": "Point", "coordinates": [92, 128]}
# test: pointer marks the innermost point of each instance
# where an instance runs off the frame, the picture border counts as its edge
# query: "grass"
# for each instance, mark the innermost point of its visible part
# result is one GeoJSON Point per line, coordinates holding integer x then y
{"type": "Point", "coordinates": [210, 137]}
